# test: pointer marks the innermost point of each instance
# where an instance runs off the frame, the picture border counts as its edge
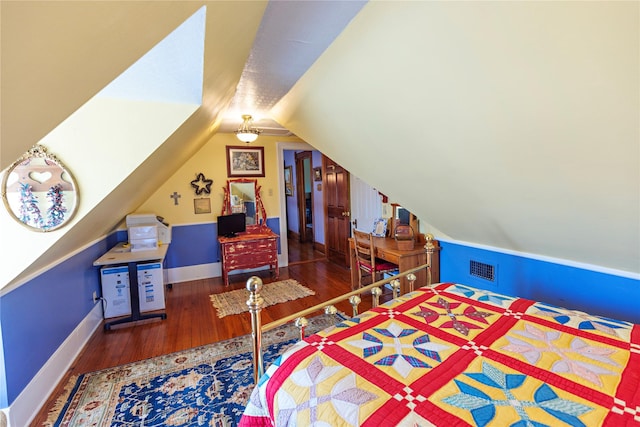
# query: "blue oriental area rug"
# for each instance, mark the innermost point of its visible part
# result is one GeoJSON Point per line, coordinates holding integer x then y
{"type": "Point", "coordinates": [204, 386]}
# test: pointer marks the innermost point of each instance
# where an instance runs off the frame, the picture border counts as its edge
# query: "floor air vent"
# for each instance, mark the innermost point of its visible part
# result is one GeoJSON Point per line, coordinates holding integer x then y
{"type": "Point", "coordinates": [482, 270]}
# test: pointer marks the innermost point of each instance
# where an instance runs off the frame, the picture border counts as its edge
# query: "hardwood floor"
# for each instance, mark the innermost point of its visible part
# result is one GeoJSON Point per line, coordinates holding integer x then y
{"type": "Point", "coordinates": [192, 320]}
{"type": "Point", "coordinates": [303, 252]}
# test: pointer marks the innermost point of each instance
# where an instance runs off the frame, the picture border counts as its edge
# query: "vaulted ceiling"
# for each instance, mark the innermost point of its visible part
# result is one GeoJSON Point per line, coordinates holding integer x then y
{"type": "Point", "coordinates": [512, 125]}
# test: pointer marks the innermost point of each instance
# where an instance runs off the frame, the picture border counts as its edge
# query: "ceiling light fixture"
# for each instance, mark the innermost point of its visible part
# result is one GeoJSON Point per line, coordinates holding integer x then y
{"type": "Point", "coordinates": [247, 133]}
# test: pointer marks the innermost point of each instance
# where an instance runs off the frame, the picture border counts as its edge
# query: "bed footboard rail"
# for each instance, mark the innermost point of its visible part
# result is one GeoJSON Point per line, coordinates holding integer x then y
{"type": "Point", "coordinates": [255, 302]}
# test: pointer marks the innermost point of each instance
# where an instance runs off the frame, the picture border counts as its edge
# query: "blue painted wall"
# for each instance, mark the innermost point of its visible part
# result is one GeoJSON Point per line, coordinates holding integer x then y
{"type": "Point", "coordinates": [318, 207]}
{"type": "Point", "coordinates": [192, 245]}
{"type": "Point", "coordinates": [292, 201]}
{"type": "Point", "coordinates": [570, 287]}
{"type": "Point", "coordinates": [38, 316]}
{"type": "Point", "coordinates": [196, 244]}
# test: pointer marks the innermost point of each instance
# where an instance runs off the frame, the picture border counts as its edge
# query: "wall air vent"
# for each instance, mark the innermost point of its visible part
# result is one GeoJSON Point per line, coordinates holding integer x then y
{"type": "Point", "coordinates": [482, 270]}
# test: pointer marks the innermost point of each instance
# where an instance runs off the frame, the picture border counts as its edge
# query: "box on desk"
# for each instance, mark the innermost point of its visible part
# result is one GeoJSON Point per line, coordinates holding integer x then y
{"type": "Point", "coordinates": [143, 245]}
{"type": "Point", "coordinates": [163, 230]}
{"type": "Point", "coordinates": [138, 232]}
{"type": "Point", "coordinates": [143, 237]}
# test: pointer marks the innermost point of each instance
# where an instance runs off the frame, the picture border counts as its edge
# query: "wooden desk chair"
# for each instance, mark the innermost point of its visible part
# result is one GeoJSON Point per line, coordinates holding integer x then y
{"type": "Point", "coordinates": [367, 263]}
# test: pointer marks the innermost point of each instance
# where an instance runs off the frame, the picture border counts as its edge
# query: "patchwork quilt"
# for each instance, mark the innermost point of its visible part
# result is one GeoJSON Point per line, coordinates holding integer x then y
{"type": "Point", "coordinates": [453, 355]}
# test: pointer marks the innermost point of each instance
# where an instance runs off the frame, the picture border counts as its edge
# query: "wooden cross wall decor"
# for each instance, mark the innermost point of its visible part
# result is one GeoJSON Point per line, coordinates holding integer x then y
{"type": "Point", "coordinates": [175, 196]}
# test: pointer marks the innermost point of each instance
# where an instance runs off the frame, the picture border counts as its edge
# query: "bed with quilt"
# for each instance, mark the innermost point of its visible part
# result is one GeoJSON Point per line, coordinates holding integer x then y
{"type": "Point", "coordinates": [452, 355]}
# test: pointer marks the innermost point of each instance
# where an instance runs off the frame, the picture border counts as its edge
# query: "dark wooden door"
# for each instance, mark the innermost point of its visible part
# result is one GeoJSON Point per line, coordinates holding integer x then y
{"type": "Point", "coordinates": [338, 217]}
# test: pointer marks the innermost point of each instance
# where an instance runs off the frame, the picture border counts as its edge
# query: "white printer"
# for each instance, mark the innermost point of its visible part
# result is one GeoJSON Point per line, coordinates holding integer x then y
{"type": "Point", "coordinates": [147, 231]}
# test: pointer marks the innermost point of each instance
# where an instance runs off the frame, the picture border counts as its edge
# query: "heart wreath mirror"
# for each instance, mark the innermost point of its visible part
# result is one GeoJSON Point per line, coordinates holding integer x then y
{"type": "Point", "coordinates": [39, 192]}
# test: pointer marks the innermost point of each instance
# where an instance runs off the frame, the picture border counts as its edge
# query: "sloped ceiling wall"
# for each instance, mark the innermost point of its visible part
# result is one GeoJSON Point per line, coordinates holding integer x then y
{"type": "Point", "coordinates": [57, 55]}
{"type": "Point", "coordinates": [508, 124]}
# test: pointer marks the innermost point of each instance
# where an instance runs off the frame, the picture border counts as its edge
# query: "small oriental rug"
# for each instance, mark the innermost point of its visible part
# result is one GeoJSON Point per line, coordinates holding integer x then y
{"type": "Point", "coordinates": [234, 302]}
{"type": "Point", "coordinates": [204, 386]}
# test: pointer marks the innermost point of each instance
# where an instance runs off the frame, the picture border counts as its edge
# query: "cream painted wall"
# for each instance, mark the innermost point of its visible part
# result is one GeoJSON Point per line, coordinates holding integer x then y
{"type": "Point", "coordinates": [47, 74]}
{"type": "Point", "coordinates": [211, 161]}
{"type": "Point", "coordinates": [100, 155]}
{"type": "Point", "coordinates": [514, 125]}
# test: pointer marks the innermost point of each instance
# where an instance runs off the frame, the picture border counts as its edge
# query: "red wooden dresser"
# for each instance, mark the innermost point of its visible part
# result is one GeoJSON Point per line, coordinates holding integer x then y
{"type": "Point", "coordinates": [256, 247]}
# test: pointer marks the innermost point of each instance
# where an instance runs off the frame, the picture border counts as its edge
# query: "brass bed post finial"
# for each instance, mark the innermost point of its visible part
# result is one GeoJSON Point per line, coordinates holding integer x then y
{"type": "Point", "coordinates": [255, 301]}
{"type": "Point", "coordinates": [375, 294]}
{"type": "Point", "coordinates": [395, 286]}
{"type": "Point", "coordinates": [301, 323]}
{"type": "Point", "coordinates": [354, 300]}
{"type": "Point", "coordinates": [331, 310]}
{"type": "Point", "coordinates": [430, 248]}
{"type": "Point", "coordinates": [412, 281]}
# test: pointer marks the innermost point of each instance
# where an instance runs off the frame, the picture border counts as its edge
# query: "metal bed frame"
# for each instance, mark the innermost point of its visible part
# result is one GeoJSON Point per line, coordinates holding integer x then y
{"type": "Point", "coordinates": [255, 303]}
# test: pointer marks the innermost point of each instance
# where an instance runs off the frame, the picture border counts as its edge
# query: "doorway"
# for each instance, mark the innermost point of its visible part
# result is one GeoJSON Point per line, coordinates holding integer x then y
{"type": "Point", "coordinates": [304, 186]}
{"type": "Point", "coordinates": [302, 220]}
{"type": "Point", "coordinates": [331, 192]}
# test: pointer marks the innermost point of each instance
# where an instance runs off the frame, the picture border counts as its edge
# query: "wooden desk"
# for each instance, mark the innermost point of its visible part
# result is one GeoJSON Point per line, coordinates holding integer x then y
{"type": "Point", "coordinates": [120, 254]}
{"type": "Point", "coordinates": [252, 249]}
{"type": "Point", "coordinates": [387, 250]}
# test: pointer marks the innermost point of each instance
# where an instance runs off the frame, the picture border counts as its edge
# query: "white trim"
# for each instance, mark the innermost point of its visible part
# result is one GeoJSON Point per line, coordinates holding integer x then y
{"type": "Point", "coordinates": [560, 261]}
{"type": "Point", "coordinates": [187, 224]}
{"type": "Point", "coordinates": [207, 271]}
{"type": "Point", "coordinates": [283, 258]}
{"type": "Point", "coordinates": [193, 272]}
{"type": "Point", "coordinates": [280, 147]}
{"type": "Point", "coordinates": [29, 402]}
{"type": "Point", "coordinates": [202, 271]}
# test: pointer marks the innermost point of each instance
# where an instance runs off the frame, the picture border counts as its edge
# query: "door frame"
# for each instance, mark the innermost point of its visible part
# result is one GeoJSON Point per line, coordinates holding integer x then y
{"type": "Point", "coordinates": [283, 257]}
{"type": "Point", "coordinates": [305, 234]}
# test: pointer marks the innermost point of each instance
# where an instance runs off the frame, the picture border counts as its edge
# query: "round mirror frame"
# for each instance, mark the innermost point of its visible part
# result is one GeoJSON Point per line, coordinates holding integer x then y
{"type": "Point", "coordinates": [39, 176]}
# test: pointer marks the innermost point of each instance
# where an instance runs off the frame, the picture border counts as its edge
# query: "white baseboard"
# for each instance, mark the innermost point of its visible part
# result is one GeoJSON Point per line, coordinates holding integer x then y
{"type": "Point", "coordinates": [205, 271]}
{"type": "Point", "coordinates": [193, 272]}
{"type": "Point", "coordinates": [35, 394]}
{"type": "Point", "coordinates": [283, 260]}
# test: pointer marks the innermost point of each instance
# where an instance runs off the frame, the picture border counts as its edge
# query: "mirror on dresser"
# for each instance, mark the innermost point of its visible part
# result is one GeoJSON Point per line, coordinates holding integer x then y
{"type": "Point", "coordinates": [402, 216]}
{"type": "Point", "coordinates": [243, 195]}
{"type": "Point", "coordinates": [256, 248]}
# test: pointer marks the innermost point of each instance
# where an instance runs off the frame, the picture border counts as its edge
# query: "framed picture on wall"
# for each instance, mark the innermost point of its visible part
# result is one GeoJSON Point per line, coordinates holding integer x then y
{"type": "Point", "coordinates": [202, 206]}
{"type": "Point", "coordinates": [245, 161]}
{"type": "Point", "coordinates": [317, 174]}
{"type": "Point", "coordinates": [288, 181]}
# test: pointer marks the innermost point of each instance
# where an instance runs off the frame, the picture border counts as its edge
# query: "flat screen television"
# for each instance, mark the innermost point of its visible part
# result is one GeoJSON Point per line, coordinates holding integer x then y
{"type": "Point", "coordinates": [230, 225]}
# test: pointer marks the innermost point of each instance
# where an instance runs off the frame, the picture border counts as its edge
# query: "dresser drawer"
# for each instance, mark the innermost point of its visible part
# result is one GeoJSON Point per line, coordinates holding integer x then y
{"type": "Point", "coordinates": [251, 246]}
{"type": "Point", "coordinates": [251, 260]}
{"type": "Point", "coordinates": [249, 252]}
{"type": "Point", "coordinates": [388, 255]}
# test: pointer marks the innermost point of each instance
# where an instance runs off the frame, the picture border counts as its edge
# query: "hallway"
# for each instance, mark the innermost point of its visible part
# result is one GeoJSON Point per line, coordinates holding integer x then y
{"type": "Point", "coordinates": [300, 253]}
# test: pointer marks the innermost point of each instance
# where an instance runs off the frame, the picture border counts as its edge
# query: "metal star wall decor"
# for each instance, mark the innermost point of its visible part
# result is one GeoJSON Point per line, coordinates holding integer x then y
{"type": "Point", "coordinates": [201, 184]}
